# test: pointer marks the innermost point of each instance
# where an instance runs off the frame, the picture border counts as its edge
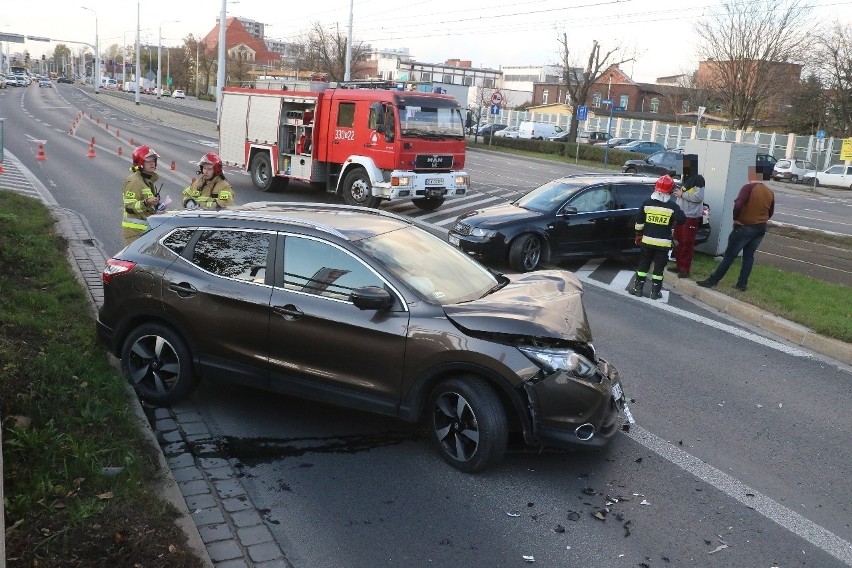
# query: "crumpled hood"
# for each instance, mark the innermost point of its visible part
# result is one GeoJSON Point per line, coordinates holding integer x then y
{"type": "Point", "coordinates": [497, 215]}
{"type": "Point", "coordinates": [538, 304]}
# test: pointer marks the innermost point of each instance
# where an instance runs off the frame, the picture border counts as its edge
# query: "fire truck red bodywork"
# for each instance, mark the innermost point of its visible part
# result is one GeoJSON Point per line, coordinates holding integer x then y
{"type": "Point", "coordinates": [367, 145]}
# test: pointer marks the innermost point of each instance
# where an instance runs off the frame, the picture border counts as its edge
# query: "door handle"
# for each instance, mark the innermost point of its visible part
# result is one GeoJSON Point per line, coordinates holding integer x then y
{"type": "Point", "coordinates": [288, 312]}
{"type": "Point", "coordinates": [183, 289]}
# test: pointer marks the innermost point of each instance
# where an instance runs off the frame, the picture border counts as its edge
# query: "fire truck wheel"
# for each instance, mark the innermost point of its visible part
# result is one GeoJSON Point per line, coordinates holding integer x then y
{"type": "Point", "coordinates": [357, 189]}
{"type": "Point", "coordinates": [261, 172]}
{"type": "Point", "coordinates": [428, 203]}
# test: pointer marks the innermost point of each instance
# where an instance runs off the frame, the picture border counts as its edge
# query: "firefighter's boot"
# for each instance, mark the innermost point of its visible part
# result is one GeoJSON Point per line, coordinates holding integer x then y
{"type": "Point", "coordinates": [656, 289]}
{"type": "Point", "coordinates": [638, 284]}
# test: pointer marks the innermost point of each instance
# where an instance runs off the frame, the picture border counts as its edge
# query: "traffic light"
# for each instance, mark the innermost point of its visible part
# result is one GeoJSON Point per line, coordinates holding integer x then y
{"type": "Point", "coordinates": [42, 57]}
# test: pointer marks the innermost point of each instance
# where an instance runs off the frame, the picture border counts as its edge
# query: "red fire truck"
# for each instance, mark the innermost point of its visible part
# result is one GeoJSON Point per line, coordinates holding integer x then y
{"type": "Point", "coordinates": [366, 144]}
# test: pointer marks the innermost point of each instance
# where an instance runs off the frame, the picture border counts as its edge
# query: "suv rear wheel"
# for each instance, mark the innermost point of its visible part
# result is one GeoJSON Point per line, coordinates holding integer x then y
{"type": "Point", "coordinates": [467, 423]}
{"type": "Point", "coordinates": [157, 363]}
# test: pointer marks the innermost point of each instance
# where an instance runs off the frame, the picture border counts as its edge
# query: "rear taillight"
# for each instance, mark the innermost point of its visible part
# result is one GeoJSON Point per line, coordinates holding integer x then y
{"type": "Point", "coordinates": [115, 267]}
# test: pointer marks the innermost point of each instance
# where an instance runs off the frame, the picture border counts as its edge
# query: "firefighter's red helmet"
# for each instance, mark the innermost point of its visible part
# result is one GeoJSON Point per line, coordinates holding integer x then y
{"type": "Point", "coordinates": [212, 159]}
{"type": "Point", "coordinates": [141, 154]}
{"type": "Point", "coordinates": [664, 185]}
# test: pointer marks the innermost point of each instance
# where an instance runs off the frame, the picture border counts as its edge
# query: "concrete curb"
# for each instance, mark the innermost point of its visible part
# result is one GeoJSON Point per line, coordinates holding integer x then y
{"type": "Point", "coordinates": [792, 332]}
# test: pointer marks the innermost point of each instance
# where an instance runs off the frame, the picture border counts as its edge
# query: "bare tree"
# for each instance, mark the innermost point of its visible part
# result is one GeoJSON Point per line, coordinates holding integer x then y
{"type": "Point", "coordinates": [807, 107]}
{"type": "Point", "coordinates": [324, 51]}
{"type": "Point", "coordinates": [833, 61]}
{"type": "Point", "coordinates": [578, 85]}
{"type": "Point", "coordinates": [742, 43]}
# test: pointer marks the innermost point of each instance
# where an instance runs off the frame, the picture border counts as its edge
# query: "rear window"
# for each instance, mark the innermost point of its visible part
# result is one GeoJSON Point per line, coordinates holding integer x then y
{"type": "Point", "coordinates": [633, 196]}
{"type": "Point", "coordinates": [783, 163]}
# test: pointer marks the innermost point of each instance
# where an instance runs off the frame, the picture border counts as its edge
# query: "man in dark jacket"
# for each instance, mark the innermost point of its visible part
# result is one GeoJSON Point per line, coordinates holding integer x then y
{"type": "Point", "coordinates": [654, 225]}
{"type": "Point", "coordinates": [753, 207]}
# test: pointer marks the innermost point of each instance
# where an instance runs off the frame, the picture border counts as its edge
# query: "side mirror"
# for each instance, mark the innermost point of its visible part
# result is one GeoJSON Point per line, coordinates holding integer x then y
{"type": "Point", "coordinates": [568, 210]}
{"type": "Point", "coordinates": [371, 298]}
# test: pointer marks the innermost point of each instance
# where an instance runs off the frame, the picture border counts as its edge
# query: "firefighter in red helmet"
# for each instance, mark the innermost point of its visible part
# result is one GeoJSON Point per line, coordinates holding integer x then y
{"type": "Point", "coordinates": [141, 198]}
{"type": "Point", "coordinates": [654, 223]}
{"type": "Point", "coordinates": [211, 190]}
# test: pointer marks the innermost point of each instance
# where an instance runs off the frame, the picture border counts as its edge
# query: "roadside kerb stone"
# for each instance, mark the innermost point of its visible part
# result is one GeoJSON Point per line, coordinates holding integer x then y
{"type": "Point", "coordinates": [829, 347]}
{"type": "Point", "coordinates": [197, 487]}
{"type": "Point", "coordinates": [263, 552]}
{"type": "Point", "coordinates": [212, 516]}
{"type": "Point", "coordinates": [215, 533]}
{"type": "Point", "coordinates": [233, 564]}
{"type": "Point", "coordinates": [202, 501]}
{"type": "Point", "coordinates": [246, 518]}
{"type": "Point", "coordinates": [236, 504]}
{"type": "Point", "coordinates": [228, 488]}
{"type": "Point", "coordinates": [224, 550]}
{"type": "Point", "coordinates": [257, 534]}
{"type": "Point", "coordinates": [191, 473]}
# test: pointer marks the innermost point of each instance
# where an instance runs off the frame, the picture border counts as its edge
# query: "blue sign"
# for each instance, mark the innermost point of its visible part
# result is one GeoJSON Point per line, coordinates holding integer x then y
{"type": "Point", "coordinates": [495, 109]}
{"type": "Point", "coordinates": [619, 108]}
{"type": "Point", "coordinates": [820, 134]}
{"type": "Point", "coordinates": [582, 112]}
{"type": "Point", "coordinates": [606, 102]}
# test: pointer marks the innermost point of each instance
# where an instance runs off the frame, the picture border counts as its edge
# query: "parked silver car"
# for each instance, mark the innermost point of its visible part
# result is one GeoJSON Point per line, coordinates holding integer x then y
{"type": "Point", "coordinates": [793, 170]}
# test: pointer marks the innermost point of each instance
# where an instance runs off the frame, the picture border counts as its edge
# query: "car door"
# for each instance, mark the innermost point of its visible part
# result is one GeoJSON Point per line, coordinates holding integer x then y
{"type": "Point", "coordinates": [321, 345]}
{"type": "Point", "coordinates": [218, 292]}
{"type": "Point", "coordinates": [654, 164]}
{"type": "Point", "coordinates": [629, 197]}
{"type": "Point", "coordinates": [583, 225]}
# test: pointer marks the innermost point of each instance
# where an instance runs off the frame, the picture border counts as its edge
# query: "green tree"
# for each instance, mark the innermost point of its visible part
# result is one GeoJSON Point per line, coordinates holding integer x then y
{"type": "Point", "coordinates": [807, 107]}
{"type": "Point", "coordinates": [62, 58]}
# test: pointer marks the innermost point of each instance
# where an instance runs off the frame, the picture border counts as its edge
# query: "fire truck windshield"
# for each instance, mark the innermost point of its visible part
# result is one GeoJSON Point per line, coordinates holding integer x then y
{"type": "Point", "coordinates": [430, 121]}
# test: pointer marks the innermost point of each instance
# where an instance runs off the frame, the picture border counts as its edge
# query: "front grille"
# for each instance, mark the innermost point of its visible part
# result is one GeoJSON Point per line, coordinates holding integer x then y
{"type": "Point", "coordinates": [433, 162]}
{"type": "Point", "coordinates": [462, 228]}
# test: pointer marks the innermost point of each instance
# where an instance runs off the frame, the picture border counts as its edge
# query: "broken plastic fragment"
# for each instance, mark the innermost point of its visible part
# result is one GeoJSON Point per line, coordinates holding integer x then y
{"type": "Point", "coordinates": [590, 491]}
{"type": "Point", "coordinates": [644, 502]}
{"type": "Point", "coordinates": [718, 548]}
{"type": "Point", "coordinates": [513, 514]}
{"type": "Point", "coordinates": [599, 515]}
{"type": "Point", "coordinates": [529, 558]}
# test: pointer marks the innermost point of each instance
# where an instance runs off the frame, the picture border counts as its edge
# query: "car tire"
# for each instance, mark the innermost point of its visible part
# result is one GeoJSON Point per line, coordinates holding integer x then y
{"type": "Point", "coordinates": [525, 253]}
{"type": "Point", "coordinates": [794, 179]}
{"type": "Point", "coordinates": [467, 423]}
{"type": "Point", "coordinates": [428, 203]}
{"type": "Point", "coordinates": [261, 172]}
{"type": "Point", "coordinates": [357, 189]}
{"type": "Point", "coordinates": [630, 171]}
{"type": "Point", "coordinates": [158, 365]}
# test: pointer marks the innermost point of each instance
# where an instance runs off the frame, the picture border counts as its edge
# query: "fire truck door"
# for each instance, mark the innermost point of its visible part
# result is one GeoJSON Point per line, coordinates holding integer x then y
{"type": "Point", "coordinates": [382, 125]}
{"type": "Point", "coordinates": [347, 117]}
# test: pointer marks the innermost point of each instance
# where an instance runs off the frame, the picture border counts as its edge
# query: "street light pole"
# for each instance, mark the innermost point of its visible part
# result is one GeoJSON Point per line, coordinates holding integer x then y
{"type": "Point", "coordinates": [97, 73]}
{"type": "Point", "coordinates": [160, 57]}
{"type": "Point", "coordinates": [220, 71]}
{"type": "Point", "coordinates": [138, 55]}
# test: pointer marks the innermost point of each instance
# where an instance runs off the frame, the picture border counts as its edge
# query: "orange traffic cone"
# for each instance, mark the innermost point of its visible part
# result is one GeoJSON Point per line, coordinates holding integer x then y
{"type": "Point", "coordinates": [93, 141]}
{"type": "Point", "coordinates": [132, 143]}
{"type": "Point", "coordinates": [91, 153]}
{"type": "Point", "coordinates": [71, 132]}
{"type": "Point", "coordinates": [118, 134]}
{"type": "Point", "coordinates": [98, 120]}
{"type": "Point", "coordinates": [107, 125]}
{"type": "Point", "coordinates": [120, 151]}
{"type": "Point", "coordinates": [40, 155]}
{"type": "Point", "coordinates": [2, 170]}
{"type": "Point", "coordinates": [172, 167]}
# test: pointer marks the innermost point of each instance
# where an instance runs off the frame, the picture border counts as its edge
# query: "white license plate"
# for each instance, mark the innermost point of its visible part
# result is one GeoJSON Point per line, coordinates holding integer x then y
{"type": "Point", "coordinates": [434, 181]}
{"type": "Point", "coordinates": [454, 240]}
{"type": "Point", "coordinates": [617, 393]}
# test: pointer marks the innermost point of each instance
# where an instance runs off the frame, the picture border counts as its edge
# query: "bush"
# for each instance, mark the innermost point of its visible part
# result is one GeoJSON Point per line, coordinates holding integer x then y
{"type": "Point", "coordinates": [587, 152]}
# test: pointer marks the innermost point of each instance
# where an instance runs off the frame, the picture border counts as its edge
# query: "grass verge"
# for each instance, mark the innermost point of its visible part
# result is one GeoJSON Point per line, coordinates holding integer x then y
{"type": "Point", "coordinates": [79, 479]}
{"type": "Point", "coordinates": [817, 305]}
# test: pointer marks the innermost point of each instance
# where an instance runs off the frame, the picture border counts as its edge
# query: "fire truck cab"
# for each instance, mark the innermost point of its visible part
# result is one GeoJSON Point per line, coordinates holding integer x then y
{"type": "Point", "coordinates": [366, 144]}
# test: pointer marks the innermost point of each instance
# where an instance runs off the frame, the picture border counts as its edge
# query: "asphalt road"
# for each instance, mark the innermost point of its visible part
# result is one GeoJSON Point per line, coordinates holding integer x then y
{"type": "Point", "coordinates": [740, 457]}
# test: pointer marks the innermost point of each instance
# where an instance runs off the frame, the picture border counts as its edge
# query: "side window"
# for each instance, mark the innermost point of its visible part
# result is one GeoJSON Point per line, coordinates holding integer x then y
{"type": "Point", "coordinates": [178, 240]}
{"type": "Point", "coordinates": [346, 115]}
{"type": "Point", "coordinates": [594, 199]}
{"type": "Point", "coordinates": [316, 267]}
{"type": "Point", "coordinates": [233, 254]}
{"type": "Point", "coordinates": [633, 196]}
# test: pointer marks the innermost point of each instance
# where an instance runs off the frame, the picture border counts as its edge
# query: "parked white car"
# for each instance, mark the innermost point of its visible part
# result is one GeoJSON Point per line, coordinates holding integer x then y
{"type": "Point", "coordinates": [838, 175]}
{"type": "Point", "coordinates": [508, 132]}
{"type": "Point", "coordinates": [793, 170]}
{"type": "Point", "coordinates": [178, 94]}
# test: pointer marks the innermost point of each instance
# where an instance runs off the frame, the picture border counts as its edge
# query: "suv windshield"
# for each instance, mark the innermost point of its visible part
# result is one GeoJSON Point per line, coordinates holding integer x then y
{"type": "Point", "coordinates": [549, 196]}
{"type": "Point", "coordinates": [438, 271]}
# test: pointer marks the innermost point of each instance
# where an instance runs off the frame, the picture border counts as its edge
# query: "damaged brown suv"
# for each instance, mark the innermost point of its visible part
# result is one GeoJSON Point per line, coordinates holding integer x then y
{"type": "Point", "coordinates": [360, 308]}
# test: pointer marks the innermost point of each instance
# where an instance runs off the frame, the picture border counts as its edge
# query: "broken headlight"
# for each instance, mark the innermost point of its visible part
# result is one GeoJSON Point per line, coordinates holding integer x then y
{"type": "Point", "coordinates": [556, 359]}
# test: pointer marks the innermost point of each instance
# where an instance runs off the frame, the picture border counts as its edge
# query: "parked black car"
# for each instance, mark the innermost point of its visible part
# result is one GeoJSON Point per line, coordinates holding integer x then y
{"type": "Point", "coordinates": [580, 215]}
{"type": "Point", "coordinates": [490, 129]}
{"type": "Point", "coordinates": [65, 80]}
{"type": "Point", "coordinates": [667, 162]}
{"type": "Point", "coordinates": [360, 308]}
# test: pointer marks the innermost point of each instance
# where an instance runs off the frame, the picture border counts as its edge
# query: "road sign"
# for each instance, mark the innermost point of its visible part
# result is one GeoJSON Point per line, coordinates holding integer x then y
{"type": "Point", "coordinates": [820, 134]}
{"type": "Point", "coordinates": [169, 81]}
{"type": "Point", "coordinates": [495, 109]}
{"type": "Point", "coordinates": [606, 102]}
{"type": "Point", "coordinates": [582, 113]}
{"type": "Point", "coordinates": [846, 149]}
{"type": "Point", "coordinates": [619, 108]}
{"type": "Point", "coordinates": [496, 98]}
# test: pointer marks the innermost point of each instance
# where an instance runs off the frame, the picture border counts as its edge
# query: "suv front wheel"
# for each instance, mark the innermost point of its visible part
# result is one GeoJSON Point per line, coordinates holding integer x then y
{"type": "Point", "coordinates": [467, 423]}
{"type": "Point", "coordinates": [158, 364]}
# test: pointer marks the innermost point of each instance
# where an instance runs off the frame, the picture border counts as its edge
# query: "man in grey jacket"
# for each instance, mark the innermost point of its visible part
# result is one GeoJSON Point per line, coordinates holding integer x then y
{"type": "Point", "coordinates": [690, 198]}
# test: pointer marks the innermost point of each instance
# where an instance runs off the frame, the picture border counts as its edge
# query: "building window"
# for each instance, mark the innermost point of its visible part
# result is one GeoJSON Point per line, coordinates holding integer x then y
{"type": "Point", "coordinates": [655, 105]}
{"type": "Point", "coordinates": [596, 100]}
{"type": "Point", "coordinates": [426, 77]}
{"type": "Point", "coordinates": [684, 106]}
{"type": "Point", "coordinates": [488, 82]}
{"type": "Point", "coordinates": [623, 101]}
{"type": "Point", "coordinates": [544, 96]}
{"type": "Point", "coordinates": [467, 81]}
{"type": "Point", "coordinates": [448, 79]}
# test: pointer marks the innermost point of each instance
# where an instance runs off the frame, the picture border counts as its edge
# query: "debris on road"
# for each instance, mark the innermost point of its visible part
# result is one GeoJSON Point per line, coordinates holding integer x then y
{"type": "Point", "coordinates": [529, 558]}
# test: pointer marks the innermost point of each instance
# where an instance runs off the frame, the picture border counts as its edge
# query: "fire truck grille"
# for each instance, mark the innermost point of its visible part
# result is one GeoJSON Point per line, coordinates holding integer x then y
{"type": "Point", "coordinates": [433, 162]}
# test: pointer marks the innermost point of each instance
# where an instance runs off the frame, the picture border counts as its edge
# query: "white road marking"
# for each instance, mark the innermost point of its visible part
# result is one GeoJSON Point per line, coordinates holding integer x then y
{"type": "Point", "coordinates": [778, 346]}
{"type": "Point", "coordinates": [820, 537]}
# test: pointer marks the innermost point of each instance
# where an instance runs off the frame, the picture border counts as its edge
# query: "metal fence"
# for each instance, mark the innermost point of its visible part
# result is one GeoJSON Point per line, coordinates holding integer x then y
{"type": "Point", "coordinates": [822, 152]}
